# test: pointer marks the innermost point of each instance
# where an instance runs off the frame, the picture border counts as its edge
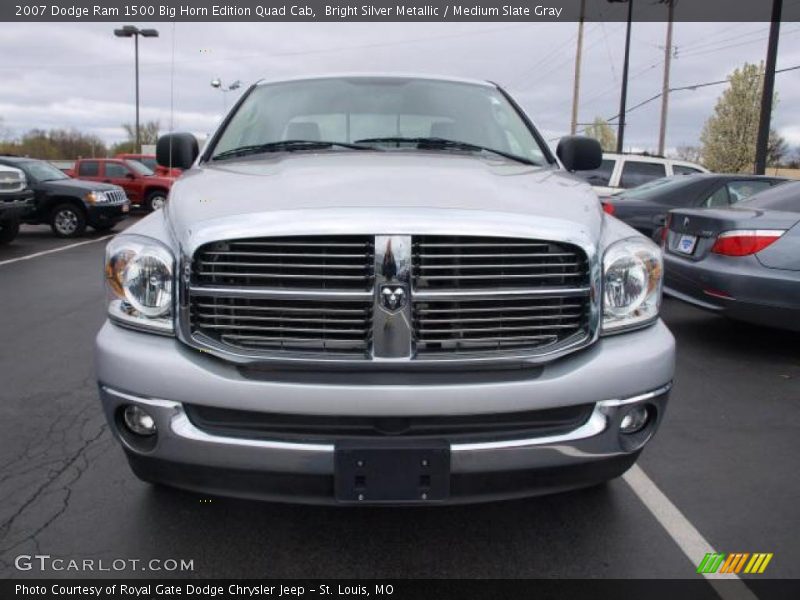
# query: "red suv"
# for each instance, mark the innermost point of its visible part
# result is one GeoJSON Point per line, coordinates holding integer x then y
{"type": "Point", "coordinates": [142, 186]}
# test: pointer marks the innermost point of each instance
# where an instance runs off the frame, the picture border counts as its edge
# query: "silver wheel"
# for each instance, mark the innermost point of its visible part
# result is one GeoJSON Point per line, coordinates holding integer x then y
{"type": "Point", "coordinates": [66, 221]}
{"type": "Point", "coordinates": [157, 201]}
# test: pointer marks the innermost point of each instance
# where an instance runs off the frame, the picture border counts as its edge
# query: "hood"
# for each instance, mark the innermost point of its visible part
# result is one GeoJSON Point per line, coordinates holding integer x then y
{"type": "Point", "coordinates": [76, 186]}
{"type": "Point", "coordinates": [380, 192]}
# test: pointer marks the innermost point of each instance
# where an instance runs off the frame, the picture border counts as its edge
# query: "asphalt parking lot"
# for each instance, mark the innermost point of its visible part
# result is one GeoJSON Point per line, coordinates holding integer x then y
{"type": "Point", "coordinates": [726, 458]}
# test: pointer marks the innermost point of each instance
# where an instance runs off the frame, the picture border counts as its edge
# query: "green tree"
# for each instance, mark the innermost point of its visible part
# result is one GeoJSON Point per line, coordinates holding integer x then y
{"type": "Point", "coordinates": [603, 133]}
{"type": "Point", "coordinates": [729, 135]}
{"type": "Point", "coordinates": [55, 144]}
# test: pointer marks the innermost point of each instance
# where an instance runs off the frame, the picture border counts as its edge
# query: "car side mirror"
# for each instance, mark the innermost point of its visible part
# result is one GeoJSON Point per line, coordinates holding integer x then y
{"type": "Point", "coordinates": [177, 150]}
{"type": "Point", "coordinates": [579, 153]}
{"type": "Point", "coordinates": [130, 175]}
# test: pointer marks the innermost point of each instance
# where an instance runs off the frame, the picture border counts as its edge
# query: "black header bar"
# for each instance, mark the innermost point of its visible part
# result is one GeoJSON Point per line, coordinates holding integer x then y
{"type": "Point", "coordinates": [548, 11]}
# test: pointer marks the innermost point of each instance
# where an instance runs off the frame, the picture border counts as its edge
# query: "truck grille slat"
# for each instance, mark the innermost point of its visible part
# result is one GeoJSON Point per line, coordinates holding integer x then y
{"type": "Point", "coordinates": [498, 266]}
{"type": "Point", "coordinates": [227, 309]}
{"type": "Point", "coordinates": [314, 296]}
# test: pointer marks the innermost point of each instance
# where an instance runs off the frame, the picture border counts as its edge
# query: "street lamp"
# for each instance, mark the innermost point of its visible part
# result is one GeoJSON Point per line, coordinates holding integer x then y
{"type": "Point", "coordinates": [218, 85]}
{"type": "Point", "coordinates": [135, 32]}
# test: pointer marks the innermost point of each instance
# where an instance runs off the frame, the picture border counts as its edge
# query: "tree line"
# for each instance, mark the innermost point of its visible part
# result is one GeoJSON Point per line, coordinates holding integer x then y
{"type": "Point", "coordinates": [71, 144]}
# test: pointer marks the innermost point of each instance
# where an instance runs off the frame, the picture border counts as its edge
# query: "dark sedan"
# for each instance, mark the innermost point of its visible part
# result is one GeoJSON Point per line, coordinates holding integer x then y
{"type": "Point", "coordinates": [645, 208]}
{"type": "Point", "coordinates": [743, 262]}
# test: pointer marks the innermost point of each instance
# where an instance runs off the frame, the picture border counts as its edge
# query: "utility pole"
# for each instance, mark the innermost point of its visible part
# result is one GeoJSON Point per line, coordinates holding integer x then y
{"type": "Point", "coordinates": [624, 95]}
{"type": "Point", "coordinates": [576, 90]}
{"type": "Point", "coordinates": [662, 136]}
{"type": "Point", "coordinates": [768, 92]}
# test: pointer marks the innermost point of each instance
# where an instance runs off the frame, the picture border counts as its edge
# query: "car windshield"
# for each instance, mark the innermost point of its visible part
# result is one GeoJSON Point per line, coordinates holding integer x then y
{"type": "Point", "coordinates": [393, 114]}
{"type": "Point", "coordinates": [784, 197]}
{"type": "Point", "coordinates": [140, 168]}
{"type": "Point", "coordinates": [39, 170]}
{"type": "Point", "coordinates": [656, 187]}
{"type": "Point", "coordinates": [147, 161]}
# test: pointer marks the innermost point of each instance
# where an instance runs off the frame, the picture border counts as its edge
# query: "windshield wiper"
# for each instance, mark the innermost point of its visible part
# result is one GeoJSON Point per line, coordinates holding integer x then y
{"type": "Point", "coordinates": [437, 143]}
{"type": "Point", "coordinates": [286, 146]}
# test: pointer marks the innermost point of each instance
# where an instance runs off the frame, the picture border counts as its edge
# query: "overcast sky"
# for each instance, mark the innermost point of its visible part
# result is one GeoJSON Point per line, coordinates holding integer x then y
{"type": "Point", "coordinates": [78, 75]}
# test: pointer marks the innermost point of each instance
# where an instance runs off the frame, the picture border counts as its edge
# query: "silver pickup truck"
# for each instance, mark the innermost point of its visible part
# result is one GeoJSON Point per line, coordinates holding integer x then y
{"type": "Point", "coordinates": [382, 289]}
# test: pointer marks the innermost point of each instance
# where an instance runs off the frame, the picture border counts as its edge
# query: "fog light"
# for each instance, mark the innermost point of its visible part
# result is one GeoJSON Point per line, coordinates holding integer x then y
{"type": "Point", "coordinates": [139, 421]}
{"type": "Point", "coordinates": [634, 420]}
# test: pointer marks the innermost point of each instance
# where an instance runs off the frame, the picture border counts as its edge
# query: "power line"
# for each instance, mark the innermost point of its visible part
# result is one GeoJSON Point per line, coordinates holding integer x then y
{"type": "Point", "coordinates": [693, 87]}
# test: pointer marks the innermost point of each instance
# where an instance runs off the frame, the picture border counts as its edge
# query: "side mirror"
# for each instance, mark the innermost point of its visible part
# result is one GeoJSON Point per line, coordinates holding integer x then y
{"type": "Point", "coordinates": [580, 153]}
{"type": "Point", "coordinates": [177, 150]}
{"type": "Point", "coordinates": [130, 175]}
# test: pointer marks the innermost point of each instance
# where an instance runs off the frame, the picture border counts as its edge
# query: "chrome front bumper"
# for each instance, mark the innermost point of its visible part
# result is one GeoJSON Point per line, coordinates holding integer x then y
{"type": "Point", "coordinates": [180, 441]}
{"type": "Point", "coordinates": [161, 375]}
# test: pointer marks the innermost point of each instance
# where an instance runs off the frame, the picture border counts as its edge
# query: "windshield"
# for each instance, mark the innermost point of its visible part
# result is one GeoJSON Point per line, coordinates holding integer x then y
{"type": "Point", "coordinates": [365, 109]}
{"type": "Point", "coordinates": [784, 197]}
{"type": "Point", "coordinates": [148, 161]}
{"type": "Point", "coordinates": [39, 170]}
{"type": "Point", "coordinates": [140, 168]}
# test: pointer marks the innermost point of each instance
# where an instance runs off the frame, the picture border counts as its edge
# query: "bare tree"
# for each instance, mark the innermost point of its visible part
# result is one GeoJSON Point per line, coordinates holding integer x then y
{"type": "Point", "coordinates": [689, 152]}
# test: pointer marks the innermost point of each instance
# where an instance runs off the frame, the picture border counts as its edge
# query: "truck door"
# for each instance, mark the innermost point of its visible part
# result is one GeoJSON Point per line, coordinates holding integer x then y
{"type": "Point", "coordinates": [120, 174]}
{"type": "Point", "coordinates": [88, 169]}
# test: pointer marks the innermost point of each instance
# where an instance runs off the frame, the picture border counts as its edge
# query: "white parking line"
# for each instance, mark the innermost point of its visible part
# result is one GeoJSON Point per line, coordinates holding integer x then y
{"type": "Point", "coordinates": [59, 249]}
{"type": "Point", "coordinates": [691, 541]}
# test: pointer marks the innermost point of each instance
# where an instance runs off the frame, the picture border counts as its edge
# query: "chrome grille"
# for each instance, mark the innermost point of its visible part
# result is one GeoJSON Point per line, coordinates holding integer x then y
{"type": "Point", "coordinates": [485, 262]}
{"type": "Point", "coordinates": [484, 295]}
{"type": "Point", "coordinates": [312, 297]}
{"type": "Point", "coordinates": [285, 326]}
{"type": "Point", "coordinates": [332, 262]}
{"type": "Point", "coordinates": [117, 196]}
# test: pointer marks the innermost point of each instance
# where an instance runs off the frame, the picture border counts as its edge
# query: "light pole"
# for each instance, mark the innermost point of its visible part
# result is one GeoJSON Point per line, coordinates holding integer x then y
{"type": "Point", "coordinates": [217, 84]}
{"type": "Point", "coordinates": [135, 32]}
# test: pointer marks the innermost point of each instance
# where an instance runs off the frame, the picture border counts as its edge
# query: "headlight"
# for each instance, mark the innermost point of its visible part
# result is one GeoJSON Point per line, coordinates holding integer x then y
{"type": "Point", "coordinates": [139, 277]}
{"type": "Point", "coordinates": [632, 273]}
{"type": "Point", "coordinates": [96, 197]}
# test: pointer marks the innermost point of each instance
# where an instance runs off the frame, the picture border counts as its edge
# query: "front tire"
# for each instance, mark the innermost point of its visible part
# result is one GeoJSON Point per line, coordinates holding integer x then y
{"type": "Point", "coordinates": [67, 221]}
{"type": "Point", "coordinates": [156, 200]}
{"type": "Point", "coordinates": [8, 230]}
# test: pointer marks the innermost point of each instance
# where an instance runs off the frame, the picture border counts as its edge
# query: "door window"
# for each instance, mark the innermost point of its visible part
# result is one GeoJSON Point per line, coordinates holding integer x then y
{"type": "Point", "coordinates": [116, 170]}
{"type": "Point", "coordinates": [684, 170]}
{"type": "Point", "coordinates": [741, 190]}
{"type": "Point", "coordinates": [599, 176]}
{"type": "Point", "coordinates": [88, 168]}
{"type": "Point", "coordinates": [635, 173]}
{"type": "Point", "coordinates": [718, 198]}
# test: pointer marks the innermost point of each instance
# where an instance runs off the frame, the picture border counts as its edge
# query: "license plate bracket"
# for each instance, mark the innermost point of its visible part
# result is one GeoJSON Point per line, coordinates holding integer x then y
{"type": "Point", "coordinates": [391, 471]}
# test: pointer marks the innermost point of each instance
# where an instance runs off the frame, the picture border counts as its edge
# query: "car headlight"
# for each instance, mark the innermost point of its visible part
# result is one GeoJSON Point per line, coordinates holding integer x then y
{"type": "Point", "coordinates": [633, 270]}
{"type": "Point", "coordinates": [139, 277]}
{"type": "Point", "coordinates": [96, 197]}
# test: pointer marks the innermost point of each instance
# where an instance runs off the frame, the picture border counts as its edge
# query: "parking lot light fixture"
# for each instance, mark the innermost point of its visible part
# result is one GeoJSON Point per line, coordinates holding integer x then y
{"type": "Point", "coordinates": [217, 84]}
{"type": "Point", "coordinates": [135, 32]}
